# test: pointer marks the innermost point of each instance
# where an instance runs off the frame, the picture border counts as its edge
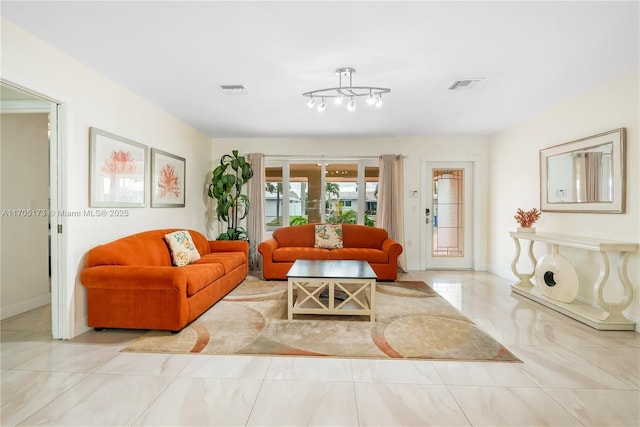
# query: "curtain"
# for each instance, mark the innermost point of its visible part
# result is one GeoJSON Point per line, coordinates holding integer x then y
{"type": "Point", "coordinates": [390, 214]}
{"type": "Point", "coordinates": [255, 220]}
{"type": "Point", "coordinates": [588, 176]}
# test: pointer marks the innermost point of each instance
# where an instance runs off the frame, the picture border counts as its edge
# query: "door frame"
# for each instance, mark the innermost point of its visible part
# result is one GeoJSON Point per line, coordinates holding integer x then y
{"type": "Point", "coordinates": [61, 312]}
{"type": "Point", "coordinates": [474, 219]}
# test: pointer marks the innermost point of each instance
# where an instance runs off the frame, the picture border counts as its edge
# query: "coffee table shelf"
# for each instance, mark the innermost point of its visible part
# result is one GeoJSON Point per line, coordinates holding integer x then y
{"type": "Point", "coordinates": [354, 280]}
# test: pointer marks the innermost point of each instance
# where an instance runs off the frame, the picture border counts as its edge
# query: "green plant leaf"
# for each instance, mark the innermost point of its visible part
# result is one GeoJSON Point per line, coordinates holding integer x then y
{"type": "Point", "coordinates": [227, 181]}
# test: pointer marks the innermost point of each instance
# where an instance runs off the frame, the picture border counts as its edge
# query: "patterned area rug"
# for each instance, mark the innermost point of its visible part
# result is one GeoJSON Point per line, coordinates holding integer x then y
{"type": "Point", "coordinates": [412, 321]}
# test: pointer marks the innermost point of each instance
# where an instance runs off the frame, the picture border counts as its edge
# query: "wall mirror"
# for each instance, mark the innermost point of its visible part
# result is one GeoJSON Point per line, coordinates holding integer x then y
{"type": "Point", "coordinates": [587, 175]}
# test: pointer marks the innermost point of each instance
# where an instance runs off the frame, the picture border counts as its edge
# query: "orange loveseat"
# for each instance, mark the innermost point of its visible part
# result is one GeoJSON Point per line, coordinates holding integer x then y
{"type": "Point", "coordinates": [360, 242]}
{"type": "Point", "coordinates": [131, 282]}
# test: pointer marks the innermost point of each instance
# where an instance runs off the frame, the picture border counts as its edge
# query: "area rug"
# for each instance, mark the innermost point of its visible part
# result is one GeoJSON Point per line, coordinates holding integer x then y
{"type": "Point", "coordinates": [412, 322]}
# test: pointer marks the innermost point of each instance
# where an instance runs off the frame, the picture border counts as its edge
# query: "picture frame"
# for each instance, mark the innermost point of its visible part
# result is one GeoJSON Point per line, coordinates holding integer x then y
{"type": "Point", "coordinates": [168, 173]}
{"type": "Point", "coordinates": [586, 175]}
{"type": "Point", "coordinates": [118, 171]}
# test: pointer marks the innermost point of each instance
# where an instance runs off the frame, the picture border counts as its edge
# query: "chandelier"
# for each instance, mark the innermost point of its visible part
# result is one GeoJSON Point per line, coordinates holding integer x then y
{"type": "Point", "coordinates": [345, 94]}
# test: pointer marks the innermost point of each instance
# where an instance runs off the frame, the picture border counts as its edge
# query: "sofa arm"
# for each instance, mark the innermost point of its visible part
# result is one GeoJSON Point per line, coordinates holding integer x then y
{"type": "Point", "coordinates": [267, 248]}
{"type": "Point", "coordinates": [391, 247]}
{"type": "Point", "coordinates": [229, 246]}
{"type": "Point", "coordinates": [146, 278]}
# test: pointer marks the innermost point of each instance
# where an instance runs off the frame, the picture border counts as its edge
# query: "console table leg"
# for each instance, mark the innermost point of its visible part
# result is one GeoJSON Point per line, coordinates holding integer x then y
{"type": "Point", "coordinates": [524, 279]}
{"type": "Point", "coordinates": [613, 311]}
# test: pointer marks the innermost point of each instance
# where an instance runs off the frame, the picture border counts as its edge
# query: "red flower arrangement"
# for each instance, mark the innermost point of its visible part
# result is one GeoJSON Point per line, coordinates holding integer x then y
{"type": "Point", "coordinates": [528, 218]}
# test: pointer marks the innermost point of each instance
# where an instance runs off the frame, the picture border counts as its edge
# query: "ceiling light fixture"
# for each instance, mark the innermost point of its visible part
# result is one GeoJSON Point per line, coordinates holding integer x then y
{"type": "Point", "coordinates": [373, 94]}
{"type": "Point", "coordinates": [322, 106]}
{"type": "Point", "coordinates": [351, 106]}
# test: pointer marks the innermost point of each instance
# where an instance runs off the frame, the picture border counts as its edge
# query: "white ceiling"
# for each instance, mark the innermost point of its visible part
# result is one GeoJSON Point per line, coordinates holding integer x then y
{"type": "Point", "coordinates": [532, 56]}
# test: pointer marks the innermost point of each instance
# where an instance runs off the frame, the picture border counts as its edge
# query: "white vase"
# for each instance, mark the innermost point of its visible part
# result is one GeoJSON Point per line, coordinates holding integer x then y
{"type": "Point", "coordinates": [526, 229]}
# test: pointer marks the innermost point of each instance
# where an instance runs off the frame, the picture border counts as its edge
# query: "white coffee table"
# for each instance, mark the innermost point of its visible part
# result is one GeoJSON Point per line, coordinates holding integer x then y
{"type": "Point", "coordinates": [353, 282]}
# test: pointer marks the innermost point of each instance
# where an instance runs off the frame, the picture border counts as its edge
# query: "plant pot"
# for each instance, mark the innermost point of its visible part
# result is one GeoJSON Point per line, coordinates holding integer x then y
{"type": "Point", "coordinates": [526, 229]}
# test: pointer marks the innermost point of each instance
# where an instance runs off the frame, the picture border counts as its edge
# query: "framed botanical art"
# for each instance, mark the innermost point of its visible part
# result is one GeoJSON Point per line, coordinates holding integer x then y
{"type": "Point", "coordinates": [167, 180]}
{"type": "Point", "coordinates": [118, 171]}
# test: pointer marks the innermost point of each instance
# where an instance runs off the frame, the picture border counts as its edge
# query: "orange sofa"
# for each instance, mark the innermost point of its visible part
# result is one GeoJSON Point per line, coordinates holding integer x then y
{"type": "Point", "coordinates": [132, 284]}
{"type": "Point", "coordinates": [360, 243]}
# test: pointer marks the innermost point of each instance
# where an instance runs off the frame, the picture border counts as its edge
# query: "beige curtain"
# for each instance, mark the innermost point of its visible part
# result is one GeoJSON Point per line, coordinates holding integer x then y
{"type": "Point", "coordinates": [255, 220]}
{"type": "Point", "coordinates": [588, 176]}
{"type": "Point", "coordinates": [390, 215]}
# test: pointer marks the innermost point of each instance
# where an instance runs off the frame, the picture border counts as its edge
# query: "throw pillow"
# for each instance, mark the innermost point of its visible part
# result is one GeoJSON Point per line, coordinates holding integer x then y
{"type": "Point", "coordinates": [328, 236]}
{"type": "Point", "coordinates": [182, 249]}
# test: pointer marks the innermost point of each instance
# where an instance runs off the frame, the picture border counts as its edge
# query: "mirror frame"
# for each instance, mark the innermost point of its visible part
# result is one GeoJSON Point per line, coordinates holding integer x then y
{"type": "Point", "coordinates": [618, 157]}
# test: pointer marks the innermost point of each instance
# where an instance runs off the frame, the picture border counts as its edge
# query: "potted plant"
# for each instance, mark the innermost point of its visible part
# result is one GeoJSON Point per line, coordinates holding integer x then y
{"type": "Point", "coordinates": [226, 187]}
{"type": "Point", "coordinates": [526, 219]}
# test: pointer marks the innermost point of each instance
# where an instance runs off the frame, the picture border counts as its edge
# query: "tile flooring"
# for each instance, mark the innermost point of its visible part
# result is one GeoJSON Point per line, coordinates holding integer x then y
{"type": "Point", "coordinates": [571, 375]}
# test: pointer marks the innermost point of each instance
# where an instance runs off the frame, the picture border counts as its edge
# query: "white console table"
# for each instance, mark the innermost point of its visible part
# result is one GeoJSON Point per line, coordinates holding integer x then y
{"type": "Point", "coordinates": [609, 315]}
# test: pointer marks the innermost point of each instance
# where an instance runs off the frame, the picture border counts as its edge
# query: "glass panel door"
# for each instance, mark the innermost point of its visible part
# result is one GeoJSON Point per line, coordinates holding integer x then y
{"type": "Point", "coordinates": [447, 222]}
{"type": "Point", "coordinates": [371, 174]}
{"type": "Point", "coordinates": [448, 212]}
{"type": "Point", "coordinates": [341, 193]}
{"type": "Point", "coordinates": [305, 193]}
{"type": "Point", "coordinates": [273, 206]}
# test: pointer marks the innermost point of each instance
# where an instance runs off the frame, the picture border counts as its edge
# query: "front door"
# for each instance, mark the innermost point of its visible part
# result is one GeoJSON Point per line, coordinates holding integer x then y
{"type": "Point", "coordinates": [447, 223]}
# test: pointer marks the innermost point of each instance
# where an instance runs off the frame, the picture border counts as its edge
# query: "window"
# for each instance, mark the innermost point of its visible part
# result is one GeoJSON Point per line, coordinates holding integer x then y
{"type": "Point", "coordinates": [273, 206]}
{"type": "Point", "coordinates": [318, 190]}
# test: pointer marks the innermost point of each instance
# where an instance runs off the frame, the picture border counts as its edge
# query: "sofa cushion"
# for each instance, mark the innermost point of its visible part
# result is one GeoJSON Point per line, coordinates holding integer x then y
{"type": "Point", "coordinates": [360, 254]}
{"type": "Point", "coordinates": [328, 236]}
{"type": "Point", "coordinates": [292, 254]}
{"type": "Point", "coordinates": [146, 248]}
{"type": "Point", "coordinates": [200, 275]}
{"type": "Point", "coordinates": [183, 250]}
{"type": "Point", "coordinates": [359, 236]}
{"type": "Point", "coordinates": [295, 236]}
{"type": "Point", "coordinates": [228, 260]}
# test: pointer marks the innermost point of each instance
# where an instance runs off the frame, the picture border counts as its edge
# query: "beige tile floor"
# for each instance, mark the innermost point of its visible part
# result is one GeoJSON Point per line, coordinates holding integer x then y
{"type": "Point", "coordinates": [571, 375]}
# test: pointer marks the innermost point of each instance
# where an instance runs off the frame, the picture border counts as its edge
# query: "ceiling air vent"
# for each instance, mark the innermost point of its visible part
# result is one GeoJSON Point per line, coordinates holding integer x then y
{"type": "Point", "coordinates": [234, 89]}
{"type": "Point", "coordinates": [464, 84]}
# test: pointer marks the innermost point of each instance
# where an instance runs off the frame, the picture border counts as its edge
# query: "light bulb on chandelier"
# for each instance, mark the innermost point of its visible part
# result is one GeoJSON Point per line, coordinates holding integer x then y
{"type": "Point", "coordinates": [373, 94]}
{"type": "Point", "coordinates": [371, 99]}
{"type": "Point", "coordinates": [351, 106]}
{"type": "Point", "coordinates": [322, 106]}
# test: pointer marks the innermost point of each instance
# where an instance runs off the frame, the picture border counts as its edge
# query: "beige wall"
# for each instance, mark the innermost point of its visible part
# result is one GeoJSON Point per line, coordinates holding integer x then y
{"type": "Point", "coordinates": [25, 185]}
{"type": "Point", "coordinates": [514, 182]}
{"type": "Point", "coordinates": [90, 99]}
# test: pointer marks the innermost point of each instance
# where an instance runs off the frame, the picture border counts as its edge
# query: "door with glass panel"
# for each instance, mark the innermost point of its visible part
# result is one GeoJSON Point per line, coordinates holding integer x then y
{"type": "Point", "coordinates": [447, 216]}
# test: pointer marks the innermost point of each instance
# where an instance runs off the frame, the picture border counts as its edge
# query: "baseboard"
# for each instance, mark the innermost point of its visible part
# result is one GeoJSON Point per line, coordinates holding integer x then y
{"type": "Point", "coordinates": [81, 327]}
{"type": "Point", "coordinates": [505, 274]}
{"type": "Point", "coordinates": [25, 305]}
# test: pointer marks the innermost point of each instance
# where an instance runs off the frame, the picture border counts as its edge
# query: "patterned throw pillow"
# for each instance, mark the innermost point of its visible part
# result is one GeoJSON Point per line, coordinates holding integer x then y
{"type": "Point", "coordinates": [183, 251]}
{"type": "Point", "coordinates": [329, 236]}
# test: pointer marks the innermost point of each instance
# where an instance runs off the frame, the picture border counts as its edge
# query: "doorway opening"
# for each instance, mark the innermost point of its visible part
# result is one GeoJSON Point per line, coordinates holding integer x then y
{"type": "Point", "coordinates": [29, 200]}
